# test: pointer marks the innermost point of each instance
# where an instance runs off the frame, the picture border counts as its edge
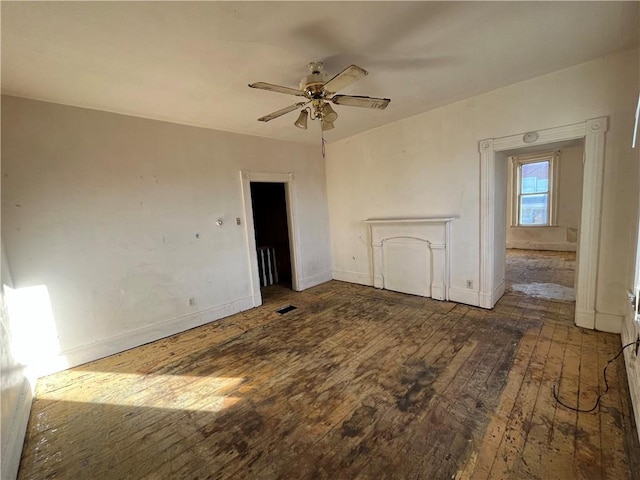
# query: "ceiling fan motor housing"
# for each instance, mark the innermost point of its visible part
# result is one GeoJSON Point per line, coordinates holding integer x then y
{"type": "Point", "coordinates": [312, 85]}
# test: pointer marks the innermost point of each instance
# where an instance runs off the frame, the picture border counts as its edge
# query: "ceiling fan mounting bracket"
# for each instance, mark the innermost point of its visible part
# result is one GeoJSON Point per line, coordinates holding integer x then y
{"type": "Point", "coordinates": [315, 67]}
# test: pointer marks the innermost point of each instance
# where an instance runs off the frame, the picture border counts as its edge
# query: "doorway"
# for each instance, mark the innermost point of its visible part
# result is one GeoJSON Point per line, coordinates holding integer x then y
{"type": "Point", "coordinates": [269, 205]}
{"type": "Point", "coordinates": [543, 202]}
{"type": "Point", "coordinates": [492, 237]}
{"type": "Point", "coordinates": [287, 182]}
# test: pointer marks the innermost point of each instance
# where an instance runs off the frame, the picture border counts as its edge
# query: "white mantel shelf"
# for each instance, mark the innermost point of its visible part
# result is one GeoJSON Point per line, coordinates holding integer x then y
{"type": "Point", "coordinates": [410, 220]}
{"type": "Point", "coordinates": [411, 255]}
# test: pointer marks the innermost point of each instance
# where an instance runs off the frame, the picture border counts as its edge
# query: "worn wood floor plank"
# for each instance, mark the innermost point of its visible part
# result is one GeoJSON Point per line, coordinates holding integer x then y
{"type": "Point", "coordinates": [587, 459]}
{"type": "Point", "coordinates": [559, 445]}
{"type": "Point", "coordinates": [536, 451]}
{"type": "Point", "coordinates": [509, 452]}
{"type": "Point", "coordinates": [487, 450]}
{"type": "Point", "coordinates": [613, 404]}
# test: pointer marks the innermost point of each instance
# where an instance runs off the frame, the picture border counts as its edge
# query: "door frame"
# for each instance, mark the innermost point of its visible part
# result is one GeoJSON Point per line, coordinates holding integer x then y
{"type": "Point", "coordinates": [593, 132]}
{"type": "Point", "coordinates": [289, 180]}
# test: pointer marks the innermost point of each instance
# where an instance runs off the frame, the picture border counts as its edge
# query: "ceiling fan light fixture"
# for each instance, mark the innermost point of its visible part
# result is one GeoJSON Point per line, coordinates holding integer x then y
{"type": "Point", "coordinates": [329, 114]}
{"type": "Point", "coordinates": [301, 122]}
{"type": "Point", "coordinates": [327, 125]}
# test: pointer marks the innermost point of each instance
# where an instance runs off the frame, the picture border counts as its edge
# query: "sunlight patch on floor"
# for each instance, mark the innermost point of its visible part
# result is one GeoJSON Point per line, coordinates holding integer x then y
{"type": "Point", "coordinates": [552, 291]}
{"type": "Point", "coordinates": [208, 394]}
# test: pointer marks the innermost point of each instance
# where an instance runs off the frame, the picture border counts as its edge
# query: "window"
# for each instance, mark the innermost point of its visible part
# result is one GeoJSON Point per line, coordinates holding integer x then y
{"type": "Point", "coordinates": [533, 186]}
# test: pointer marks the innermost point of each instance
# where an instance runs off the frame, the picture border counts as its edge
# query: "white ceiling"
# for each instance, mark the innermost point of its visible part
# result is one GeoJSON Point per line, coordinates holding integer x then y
{"type": "Point", "coordinates": [190, 62]}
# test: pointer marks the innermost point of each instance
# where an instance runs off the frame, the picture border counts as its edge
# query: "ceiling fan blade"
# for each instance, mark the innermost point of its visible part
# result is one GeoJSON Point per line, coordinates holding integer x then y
{"type": "Point", "coordinates": [279, 113]}
{"type": "Point", "coordinates": [345, 78]}
{"type": "Point", "coordinates": [277, 88]}
{"type": "Point", "coordinates": [365, 102]}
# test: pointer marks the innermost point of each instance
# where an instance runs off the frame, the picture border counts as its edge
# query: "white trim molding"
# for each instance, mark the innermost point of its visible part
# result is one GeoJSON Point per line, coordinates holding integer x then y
{"type": "Point", "coordinates": [289, 179]}
{"type": "Point", "coordinates": [487, 221]}
{"type": "Point", "coordinates": [353, 277]}
{"type": "Point", "coordinates": [593, 131]}
{"type": "Point", "coordinates": [589, 241]}
{"type": "Point", "coordinates": [314, 280]}
{"type": "Point", "coordinates": [464, 295]}
{"type": "Point", "coordinates": [609, 322]}
{"type": "Point", "coordinates": [134, 338]}
{"type": "Point", "coordinates": [555, 246]}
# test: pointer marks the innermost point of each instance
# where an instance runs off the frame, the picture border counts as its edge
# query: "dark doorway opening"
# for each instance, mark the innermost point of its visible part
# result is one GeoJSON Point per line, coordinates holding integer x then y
{"type": "Point", "coordinates": [269, 204]}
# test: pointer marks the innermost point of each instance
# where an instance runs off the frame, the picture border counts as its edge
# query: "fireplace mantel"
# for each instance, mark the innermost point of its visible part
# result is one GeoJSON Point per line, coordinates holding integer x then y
{"type": "Point", "coordinates": [380, 221]}
{"type": "Point", "coordinates": [411, 255]}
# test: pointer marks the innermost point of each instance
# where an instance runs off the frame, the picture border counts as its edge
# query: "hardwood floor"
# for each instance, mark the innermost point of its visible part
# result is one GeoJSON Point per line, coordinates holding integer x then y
{"type": "Point", "coordinates": [355, 383]}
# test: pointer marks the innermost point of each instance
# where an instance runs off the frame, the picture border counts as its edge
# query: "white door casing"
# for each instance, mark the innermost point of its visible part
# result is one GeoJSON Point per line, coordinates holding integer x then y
{"type": "Point", "coordinates": [593, 131]}
{"type": "Point", "coordinates": [289, 180]}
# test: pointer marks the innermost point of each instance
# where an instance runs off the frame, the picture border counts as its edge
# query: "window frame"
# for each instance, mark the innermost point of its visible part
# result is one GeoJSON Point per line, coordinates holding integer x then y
{"type": "Point", "coordinates": [516, 164]}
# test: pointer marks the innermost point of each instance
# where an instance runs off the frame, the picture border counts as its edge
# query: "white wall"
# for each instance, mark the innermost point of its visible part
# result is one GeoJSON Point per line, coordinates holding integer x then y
{"type": "Point", "coordinates": [630, 333]}
{"type": "Point", "coordinates": [500, 225]}
{"type": "Point", "coordinates": [116, 216]}
{"type": "Point", "coordinates": [16, 393]}
{"type": "Point", "coordinates": [631, 327]}
{"type": "Point", "coordinates": [429, 165]}
{"type": "Point", "coordinates": [562, 236]}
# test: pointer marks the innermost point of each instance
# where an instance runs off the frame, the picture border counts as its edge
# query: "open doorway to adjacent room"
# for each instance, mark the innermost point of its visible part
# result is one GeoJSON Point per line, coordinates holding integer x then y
{"type": "Point", "coordinates": [493, 212]}
{"type": "Point", "coordinates": [543, 200]}
{"type": "Point", "coordinates": [269, 205]}
{"type": "Point", "coordinates": [271, 231]}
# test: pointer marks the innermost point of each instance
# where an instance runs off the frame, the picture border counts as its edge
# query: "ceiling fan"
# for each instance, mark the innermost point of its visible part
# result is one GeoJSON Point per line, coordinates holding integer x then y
{"type": "Point", "coordinates": [318, 91]}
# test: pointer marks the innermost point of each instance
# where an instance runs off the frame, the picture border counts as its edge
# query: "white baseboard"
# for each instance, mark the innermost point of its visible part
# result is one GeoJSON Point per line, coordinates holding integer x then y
{"type": "Point", "coordinates": [555, 246]}
{"type": "Point", "coordinates": [604, 322]}
{"type": "Point", "coordinates": [485, 300]}
{"type": "Point", "coordinates": [464, 295]}
{"type": "Point", "coordinates": [438, 293]}
{"type": "Point", "coordinates": [12, 451]}
{"type": "Point", "coordinates": [628, 335]}
{"type": "Point", "coordinates": [585, 318]}
{"type": "Point", "coordinates": [498, 292]}
{"type": "Point", "coordinates": [151, 333]}
{"type": "Point", "coordinates": [314, 280]}
{"type": "Point", "coordinates": [353, 277]}
{"type": "Point", "coordinates": [607, 322]}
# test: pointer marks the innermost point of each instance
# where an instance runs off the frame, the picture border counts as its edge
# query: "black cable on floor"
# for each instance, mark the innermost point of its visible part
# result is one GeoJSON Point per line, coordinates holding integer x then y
{"type": "Point", "coordinates": [600, 395]}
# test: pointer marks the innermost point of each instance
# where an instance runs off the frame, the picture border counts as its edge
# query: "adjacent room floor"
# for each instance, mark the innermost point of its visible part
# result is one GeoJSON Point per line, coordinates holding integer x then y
{"type": "Point", "coordinates": [353, 383]}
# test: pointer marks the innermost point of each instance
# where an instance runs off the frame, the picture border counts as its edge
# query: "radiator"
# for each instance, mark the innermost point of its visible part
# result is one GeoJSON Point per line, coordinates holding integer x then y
{"type": "Point", "coordinates": [267, 266]}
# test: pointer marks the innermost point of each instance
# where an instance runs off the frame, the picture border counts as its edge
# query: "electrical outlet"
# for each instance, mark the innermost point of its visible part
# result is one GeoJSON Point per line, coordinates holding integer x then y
{"type": "Point", "coordinates": [469, 283]}
{"type": "Point", "coordinates": [192, 301]}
